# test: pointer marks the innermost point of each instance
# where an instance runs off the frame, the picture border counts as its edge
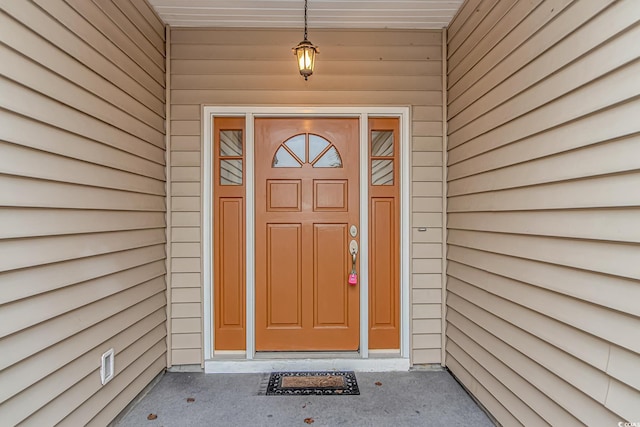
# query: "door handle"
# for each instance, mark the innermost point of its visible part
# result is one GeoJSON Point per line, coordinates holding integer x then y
{"type": "Point", "coordinates": [353, 249]}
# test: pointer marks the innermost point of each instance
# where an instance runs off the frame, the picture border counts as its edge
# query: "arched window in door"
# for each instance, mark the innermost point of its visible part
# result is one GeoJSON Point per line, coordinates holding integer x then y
{"type": "Point", "coordinates": [307, 149]}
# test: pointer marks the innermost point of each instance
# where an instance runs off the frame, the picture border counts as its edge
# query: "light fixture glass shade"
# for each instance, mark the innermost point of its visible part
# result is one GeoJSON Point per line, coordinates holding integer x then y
{"type": "Point", "coordinates": [306, 54]}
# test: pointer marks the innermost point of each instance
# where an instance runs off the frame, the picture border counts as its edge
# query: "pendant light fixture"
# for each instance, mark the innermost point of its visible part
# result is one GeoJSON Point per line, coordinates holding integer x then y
{"type": "Point", "coordinates": [305, 51]}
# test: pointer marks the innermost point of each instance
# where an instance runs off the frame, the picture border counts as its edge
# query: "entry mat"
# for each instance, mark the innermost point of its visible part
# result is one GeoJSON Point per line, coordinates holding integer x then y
{"type": "Point", "coordinates": [312, 383]}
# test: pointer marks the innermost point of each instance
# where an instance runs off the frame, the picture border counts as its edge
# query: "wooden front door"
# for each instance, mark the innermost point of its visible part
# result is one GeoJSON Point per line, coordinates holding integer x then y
{"type": "Point", "coordinates": [307, 200]}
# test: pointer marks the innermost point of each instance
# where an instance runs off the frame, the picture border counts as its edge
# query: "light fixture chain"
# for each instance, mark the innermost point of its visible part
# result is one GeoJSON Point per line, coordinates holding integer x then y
{"type": "Point", "coordinates": [305, 19]}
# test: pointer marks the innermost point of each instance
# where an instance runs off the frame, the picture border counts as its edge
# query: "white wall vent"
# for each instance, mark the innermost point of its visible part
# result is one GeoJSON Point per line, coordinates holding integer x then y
{"type": "Point", "coordinates": [107, 369]}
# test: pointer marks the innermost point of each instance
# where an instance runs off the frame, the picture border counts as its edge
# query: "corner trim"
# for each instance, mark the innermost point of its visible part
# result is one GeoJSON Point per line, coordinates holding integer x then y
{"type": "Point", "coordinates": [445, 143]}
{"type": "Point", "coordinates": [167, 138]}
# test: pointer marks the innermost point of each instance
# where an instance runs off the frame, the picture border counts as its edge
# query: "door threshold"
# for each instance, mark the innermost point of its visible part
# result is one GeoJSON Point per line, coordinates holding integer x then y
{"type": "Point", "coordinates": [307, 355]}
{"type": "Point", "coordinates": [261, 365]}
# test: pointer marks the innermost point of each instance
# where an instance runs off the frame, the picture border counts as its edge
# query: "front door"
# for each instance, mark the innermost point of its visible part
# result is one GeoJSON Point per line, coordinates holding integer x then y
{"type": "Point", "coordinates": [307, 215]}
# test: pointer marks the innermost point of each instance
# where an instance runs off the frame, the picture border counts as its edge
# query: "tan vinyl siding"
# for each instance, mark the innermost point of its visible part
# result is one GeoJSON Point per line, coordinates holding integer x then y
{"type": "Point", "coordinates": [255, 67]}
{"type": "Point", "coordinates": [543, 207]}
{"type": "Point", "coordinates": [82, 208]}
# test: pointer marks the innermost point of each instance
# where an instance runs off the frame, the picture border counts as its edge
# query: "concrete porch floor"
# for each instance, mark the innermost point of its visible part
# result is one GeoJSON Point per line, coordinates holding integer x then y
{"type": "Point", "coordinates": [415, 398]}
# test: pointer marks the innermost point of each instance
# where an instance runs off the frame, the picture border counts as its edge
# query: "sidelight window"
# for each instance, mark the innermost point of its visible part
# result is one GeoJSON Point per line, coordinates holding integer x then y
{"type": "Point", "coordinates": [230, 157]}
{"type": "Point", "coordinates": [382, 159]}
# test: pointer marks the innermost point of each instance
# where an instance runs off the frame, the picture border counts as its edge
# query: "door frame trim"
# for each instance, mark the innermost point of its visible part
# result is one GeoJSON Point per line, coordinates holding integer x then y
{"type": "Point", "coordinates": [250, 113]}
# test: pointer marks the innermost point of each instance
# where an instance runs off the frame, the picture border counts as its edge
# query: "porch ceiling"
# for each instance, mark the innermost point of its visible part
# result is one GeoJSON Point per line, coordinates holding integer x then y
{"type": "Point", "coordinates": [412, 14]}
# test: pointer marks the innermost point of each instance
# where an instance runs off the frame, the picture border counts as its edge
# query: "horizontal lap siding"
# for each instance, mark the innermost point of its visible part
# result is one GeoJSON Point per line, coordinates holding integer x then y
{"type": "Point", "coordinates": [255, 67]}
{"type": "Point", "coordinates": [82, 208]}
{"type": "Point", "coordinates": [543, 208]}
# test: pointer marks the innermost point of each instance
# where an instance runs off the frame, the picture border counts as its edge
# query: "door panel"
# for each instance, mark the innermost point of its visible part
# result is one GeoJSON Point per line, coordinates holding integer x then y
{"type": "Point", "coordinates": [284, 275]}
{"type": "Point", "coordinates": [330, 292]}
{"type": "Point", "coordinates": [284, 195]}
{"type": "Point", "coordinates": [231, 266]}
{"type": "Point", "coordinates": [330, 195]}
{"type": "Point", "coordinates": [307, 197]}
{"type": "Point", "coordinates": [382, 214]}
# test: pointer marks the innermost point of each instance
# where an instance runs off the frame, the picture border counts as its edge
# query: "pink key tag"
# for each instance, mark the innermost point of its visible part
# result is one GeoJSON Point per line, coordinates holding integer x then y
{"type": "Point", "coordinates": [353, 279]}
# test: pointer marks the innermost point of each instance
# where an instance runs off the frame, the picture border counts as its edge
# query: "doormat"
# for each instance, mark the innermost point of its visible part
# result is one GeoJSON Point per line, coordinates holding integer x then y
{"type": "Point", "coordinates": [312, 383]}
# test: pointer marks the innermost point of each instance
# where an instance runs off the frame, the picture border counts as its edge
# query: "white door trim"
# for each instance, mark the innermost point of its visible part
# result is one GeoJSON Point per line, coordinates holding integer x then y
{"type": "Point", "coordinates": [250, 113]}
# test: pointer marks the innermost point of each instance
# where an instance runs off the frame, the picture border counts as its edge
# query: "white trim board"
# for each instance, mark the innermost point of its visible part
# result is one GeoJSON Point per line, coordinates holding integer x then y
{"type": "Point", "coordinates": [363, 113]}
